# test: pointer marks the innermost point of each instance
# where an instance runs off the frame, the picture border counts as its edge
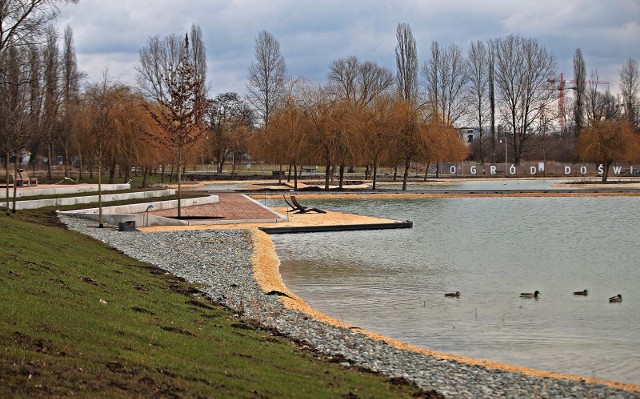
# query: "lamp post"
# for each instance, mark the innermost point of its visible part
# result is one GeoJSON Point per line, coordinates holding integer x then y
{"type": "Point", "coordinates": [505, 154]}
{"type": "Point", "coordinates": [147, 214]}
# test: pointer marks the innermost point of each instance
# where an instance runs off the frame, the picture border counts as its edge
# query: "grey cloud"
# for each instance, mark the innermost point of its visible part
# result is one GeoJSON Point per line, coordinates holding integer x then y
{"type": "Point", "coordinates": [313, 33]}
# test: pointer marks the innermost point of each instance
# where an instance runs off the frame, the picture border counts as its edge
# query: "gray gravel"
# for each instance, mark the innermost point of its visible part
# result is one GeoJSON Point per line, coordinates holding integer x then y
{"type": "Point", "coordinates": [221, 261]}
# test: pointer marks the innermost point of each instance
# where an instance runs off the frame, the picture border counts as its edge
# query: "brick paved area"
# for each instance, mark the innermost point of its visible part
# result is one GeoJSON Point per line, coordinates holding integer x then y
{"type": "Point", "coordinates": [232, 206]}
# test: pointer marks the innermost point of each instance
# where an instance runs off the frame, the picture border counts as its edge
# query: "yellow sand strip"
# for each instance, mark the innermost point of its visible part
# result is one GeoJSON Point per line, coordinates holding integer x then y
{"type": "Point", "coordinates": [419, 195]}
{"type": "Point", "coordinates": [265, 267]}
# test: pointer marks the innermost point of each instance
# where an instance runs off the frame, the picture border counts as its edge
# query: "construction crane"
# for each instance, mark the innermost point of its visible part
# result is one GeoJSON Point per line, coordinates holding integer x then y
{"type": "Point", "coordinates": [561, 88]}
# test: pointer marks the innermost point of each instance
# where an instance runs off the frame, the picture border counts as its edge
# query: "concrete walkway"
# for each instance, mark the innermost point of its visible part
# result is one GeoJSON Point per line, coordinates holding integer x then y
{"type": "Point", "coordinates": [60, 189]}
{"type": "Point", "coordinates": [230, 208]}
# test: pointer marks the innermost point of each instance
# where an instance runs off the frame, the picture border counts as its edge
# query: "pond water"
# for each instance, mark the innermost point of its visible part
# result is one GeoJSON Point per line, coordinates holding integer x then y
{"type": "Point", "coordinates": [483, 184]}
{"type": "Point", "coordinates": [490, 249]}
{"type": "Point", "coordinates": [445, 184]}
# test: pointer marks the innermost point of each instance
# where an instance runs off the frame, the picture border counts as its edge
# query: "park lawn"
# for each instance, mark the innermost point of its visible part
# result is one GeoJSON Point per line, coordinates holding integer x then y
{"type": "Point", "coordinates": [78, 318]}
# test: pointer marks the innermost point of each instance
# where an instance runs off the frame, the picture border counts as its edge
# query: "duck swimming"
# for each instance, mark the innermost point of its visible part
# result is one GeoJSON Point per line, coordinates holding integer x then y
{"type": "Point", "coordinates": [453, 294]}
{"type": "Point", "coordinates": [617, 298]}
{"type": "Point", "coordinates": [583, 293]}
{"type": "Point", "coordinates": [530, 295]}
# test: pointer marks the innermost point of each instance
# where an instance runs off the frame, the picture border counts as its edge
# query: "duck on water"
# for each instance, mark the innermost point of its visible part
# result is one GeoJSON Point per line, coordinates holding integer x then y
{"type": "Point", "coordinates": [530, 294]}
{"type": "Point", "coordinates": [617, 298]}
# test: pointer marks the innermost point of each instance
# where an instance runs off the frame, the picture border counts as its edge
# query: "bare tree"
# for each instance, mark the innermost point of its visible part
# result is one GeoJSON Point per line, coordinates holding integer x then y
{"type": "Point", "coordinates": [51, 103]}
{"type": "Point", "coordinates": [359, 83]}
{"type": "Point", "coordinates": [630, 90]}
{"type": "Point", "coordinates": [159, 56]}
{"type": "Point", "coordinates": [580, 77]}
{"type": "Point", "coordinates": [267, 77]}
{"type": "Point", "coordinates": [23, 22]}
{"type": "Point", "coordinates": [16, 124]}
{"type": "Point", "coordinates": [343, 75]}
{"type": "Point", "coordinates": [406, 64]}
{"type": "Point", "coordinates": [199, 59]}
{"type": "Point", "coordinates": [177, 113]}
{"type": "Point", "coordinates": [110, 117]}
{"type": "Point", "coordinates": [600, 104]}
{"type": "Point", "coordinates": [492, 97]}
{"type": "Point", "coordinates": [70, 79]}
{"type": "Point", "coordinates": [478, 89]}
{"type": "Point", "coordinates": [226, 115]}
{"type": "Point", "coordinates": [445, 76]}
{"type": "Point", "coordinates": [523, 68]}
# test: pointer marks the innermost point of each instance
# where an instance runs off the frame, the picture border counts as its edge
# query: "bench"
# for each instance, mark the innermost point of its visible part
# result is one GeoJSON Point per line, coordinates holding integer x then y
{"type": "Point", "coordinates": [22, 179]}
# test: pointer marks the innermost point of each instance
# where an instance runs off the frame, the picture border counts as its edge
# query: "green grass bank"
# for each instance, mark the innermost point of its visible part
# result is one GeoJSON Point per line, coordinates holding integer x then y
{"type": "Point", "coordinates": [80, 319]}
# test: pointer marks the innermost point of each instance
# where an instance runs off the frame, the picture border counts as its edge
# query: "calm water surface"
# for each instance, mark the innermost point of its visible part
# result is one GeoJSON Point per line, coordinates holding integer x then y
{"type": "Point", "coordinates": [491, 250]}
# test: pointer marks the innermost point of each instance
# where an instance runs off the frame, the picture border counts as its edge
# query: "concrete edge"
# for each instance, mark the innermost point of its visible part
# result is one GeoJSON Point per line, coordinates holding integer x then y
{"type": "Point", "coordinates": [42, 203]}
{"type": "Point", "coordinates": [72, 189]}
{"type": "Point", "coordinates": [280, 216]}
{"type": "Point", "coordinates": [137, 213]}
{"type": "Point", "coordinates": [333, 228]}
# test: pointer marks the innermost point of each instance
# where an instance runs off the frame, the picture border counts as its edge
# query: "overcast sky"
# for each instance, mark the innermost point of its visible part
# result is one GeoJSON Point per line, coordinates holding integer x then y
{"type": "Point", "coordinates": [110, 33]}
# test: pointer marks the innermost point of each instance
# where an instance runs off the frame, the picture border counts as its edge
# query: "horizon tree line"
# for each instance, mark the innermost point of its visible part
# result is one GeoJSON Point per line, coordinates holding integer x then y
{"type": "Point", "coordinates": [363, 115]}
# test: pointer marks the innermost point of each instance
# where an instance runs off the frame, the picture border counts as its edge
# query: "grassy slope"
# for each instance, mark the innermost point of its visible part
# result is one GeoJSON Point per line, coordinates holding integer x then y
{"type": "Point", "coordinates": [154, 336]}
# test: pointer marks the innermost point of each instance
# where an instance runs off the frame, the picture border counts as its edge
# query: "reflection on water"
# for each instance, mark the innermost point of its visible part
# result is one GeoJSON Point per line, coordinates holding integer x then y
{"type": "Point", "coordinates": [511, 184]}
{"type": "Point", "coordinates": [484, 184]}
{"type": "Point", "coordinates": [489, 249]}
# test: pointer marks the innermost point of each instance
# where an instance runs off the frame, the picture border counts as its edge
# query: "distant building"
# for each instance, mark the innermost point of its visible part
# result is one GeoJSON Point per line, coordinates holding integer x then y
{"type": "Point", "coordinates": [469, 134]}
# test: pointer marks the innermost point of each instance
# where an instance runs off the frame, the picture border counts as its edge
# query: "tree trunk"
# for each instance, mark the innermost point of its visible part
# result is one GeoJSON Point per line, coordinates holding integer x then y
{"type": "Point", "coordinates": [405, 176]}
{"type": "Point", "coordinates": [375, 175]}
{"type": "Point", "coordinates": [100, 192]}
{"type": "Point", "coordinates": [15, 186]}
{"type": "Point", "coordinates": [112, 171]}
{"type": "Point", "coordinates": [295, 176]}
{"type": "Point", "coordinates": [179, 184]}
{"type": "Point", "coordinates": [127, 169]}
{"type": "Point", "coordinates": [327, 173]}
{"type": "Point", "coordinates": [6, 175]}
{"type": "Point", "coordinates": [605, 172]}
{"type": "Point", "coordinates": [219, 164]}
{"type": "Point", "coordinates": [426, 172]}
{"type": "Point", "coordinates": [66, 160]}
{"type": "Point", "coordinates": [80, 172]}
{"type": "Point", "coordinates": [145, 172]}
{"type": "Point", "coordinates": [50, 155]}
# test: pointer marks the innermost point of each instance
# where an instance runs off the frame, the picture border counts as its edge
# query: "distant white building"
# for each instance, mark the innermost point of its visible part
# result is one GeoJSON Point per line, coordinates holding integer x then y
{"type": "Point", "coordinates": [469, 134]}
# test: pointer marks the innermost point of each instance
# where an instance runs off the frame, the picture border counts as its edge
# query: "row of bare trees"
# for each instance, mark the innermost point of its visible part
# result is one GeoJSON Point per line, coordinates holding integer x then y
{"type": "Point", "coordinates": [31, 73]}
{"type": "Point", "coordinates": [505, 87]}
{"type": "Point", "coordinates": [363, 116]}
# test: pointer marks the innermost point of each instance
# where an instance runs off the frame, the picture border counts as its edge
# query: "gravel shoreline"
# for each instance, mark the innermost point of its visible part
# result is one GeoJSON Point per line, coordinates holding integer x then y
{"type": "Point", "coordinates": [220, 260]}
